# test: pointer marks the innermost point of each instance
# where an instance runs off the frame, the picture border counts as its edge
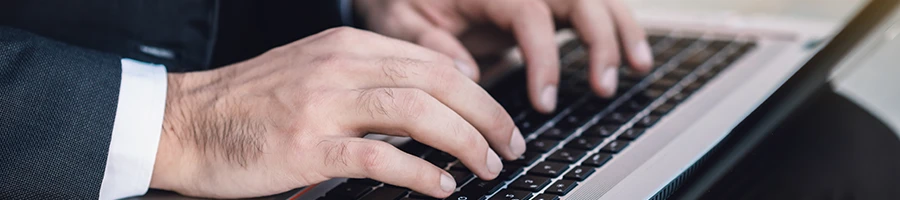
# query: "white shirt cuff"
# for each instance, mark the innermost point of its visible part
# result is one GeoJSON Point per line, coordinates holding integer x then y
{"type": "Point", "coordinates": [136, 131]}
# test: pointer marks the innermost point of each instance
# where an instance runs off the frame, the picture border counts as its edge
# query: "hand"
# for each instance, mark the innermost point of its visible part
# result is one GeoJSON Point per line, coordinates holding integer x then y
{"type": "Point", "coordinates": [294, 117]}
{"type": "Point", "coordinates": [458, 27]}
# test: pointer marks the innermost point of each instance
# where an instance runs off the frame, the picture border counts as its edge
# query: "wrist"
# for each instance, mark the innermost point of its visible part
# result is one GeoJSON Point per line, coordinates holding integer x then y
{"type": "Point", "coordinates": [172, 166]}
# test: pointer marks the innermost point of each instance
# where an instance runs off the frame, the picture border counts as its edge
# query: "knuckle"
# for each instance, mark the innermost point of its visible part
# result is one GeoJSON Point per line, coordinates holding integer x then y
{"type": "Point", "coordinates": [412, 104]}
{"type": "Point", "coordinates": [373, 157]}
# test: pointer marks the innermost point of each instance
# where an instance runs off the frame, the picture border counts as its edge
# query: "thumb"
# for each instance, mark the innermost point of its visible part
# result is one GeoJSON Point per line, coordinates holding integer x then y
{"type": "Point", "coordinates": [446, 43]}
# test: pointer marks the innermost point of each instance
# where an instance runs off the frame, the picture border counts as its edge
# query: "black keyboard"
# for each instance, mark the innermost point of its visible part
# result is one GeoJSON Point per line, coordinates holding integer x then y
{"type": "Point", "coordinates": [586, 131]}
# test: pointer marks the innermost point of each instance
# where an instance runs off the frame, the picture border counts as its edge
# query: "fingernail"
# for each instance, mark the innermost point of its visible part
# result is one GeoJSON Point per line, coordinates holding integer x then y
{"type": "Point", "coordinates": [466, 69]}
{"type": "Point", "coordinates": [517, 143]}
{"type": "Point", "coordinates": [447, 183]}
{"type": "Point", "coordinates": [643, 53]}
{"type": "Point", "coordinates": [548, 97]}
{"type": "Point", "coordinates": [610, 79]}
{"type": "Point", "coordinates": [493, 162]}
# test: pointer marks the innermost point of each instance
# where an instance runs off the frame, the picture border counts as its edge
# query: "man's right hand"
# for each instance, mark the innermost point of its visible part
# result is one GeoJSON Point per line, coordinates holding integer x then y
{"type": "Point", "coordinates": [294, 116]}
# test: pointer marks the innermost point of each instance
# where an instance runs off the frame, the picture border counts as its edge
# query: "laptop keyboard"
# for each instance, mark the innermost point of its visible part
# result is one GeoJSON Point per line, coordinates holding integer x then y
{"type": "Point", "coordinates": [586, 131]}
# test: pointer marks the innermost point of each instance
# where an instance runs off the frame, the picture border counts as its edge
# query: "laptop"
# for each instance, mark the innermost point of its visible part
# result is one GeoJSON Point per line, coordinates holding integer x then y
{"type": "Point", "coordinates": [709, 75]}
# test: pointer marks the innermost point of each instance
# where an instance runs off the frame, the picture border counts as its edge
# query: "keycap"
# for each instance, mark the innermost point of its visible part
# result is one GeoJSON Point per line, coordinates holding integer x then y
{"type": "Point", "coordinates": [569, 46]}
{"type": "Point", "coordinates": [555, 133]}
{"type": "Point", "coordinates": [480, 187]}
{"type": "Point", "coordinates": [527, 158]}
{"type": "Point", "coordinates": [646, 121]}
{"type": "Point", "coordinates": [597, 160]}
{"type": "Point", "coordinates": [663, 109]}
{"type": "Point", "coordinates": [693, 87]}
{"type": "Point", "coordinates": [459, 166]}
{"type": "Point", "coordinates": [530, 183]}
{"type": "Point", "coordinates": [545, 197]}
{"type": "Point", "coordinates": [632, 133]}
{"type": "Point", "coordinates": [461, 176]}
{"type": "Point", "coordinates": [664, 83]}
{"type": "Point", "coordinates": [653, 39]}
{"type": "Point", "coordinates": [561, 187]}
{"type": "Point", "coordinates": [511, 195]}
{"type": "Point", "coordinates": [387, 193]}
{"type": "Point", "coordinates": [633, 105]}
{"type": "Point", "coordinates": [615, 146]}
{"type": "Point", "coordinates": [363, 181]}
{"type": "Point", "coordinates": [417, 195]}
{"type": "Point", "coordinates": [618, 117]}
{"type": "Point", "coordinates": [566, 155]}
{"type": "Point", "coordinates": [440, 156]}
{"type": "Point", "coordinates": [464, 196]}
{"type": "Point", "coordinates": [601, 130]}
{"type": "Point", "coordinates": [542, 145]}
{"type": "Point", "coordinates": [549, 169]}
{"type": "Point", "coordinates": [349, 191]}
{"type": "Point", "coordinates": [571, 122]}
{"type": "Point", "coordinates": [579, 173]}
{"type": "Point", "coordinates": [584, 143]}
{"type": "Point", "coordinates": [510, 171]}
{"type": "Point", "coordinates": [678, 98]}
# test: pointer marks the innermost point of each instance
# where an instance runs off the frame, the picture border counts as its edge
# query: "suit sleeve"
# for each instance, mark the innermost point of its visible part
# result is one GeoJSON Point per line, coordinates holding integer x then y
{"type": "Point", "coordinates": [57, 110]}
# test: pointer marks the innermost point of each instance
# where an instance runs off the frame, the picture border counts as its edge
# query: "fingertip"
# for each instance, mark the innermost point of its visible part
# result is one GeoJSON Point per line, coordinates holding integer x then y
{"type": "Point", "coordinates": [641, 56]}
{"type": "Point", "coordinates": [448, 184]}
{"type": "Point", "coordinates": [467, 69]}
{"type": "Point", "coordinates": [548, 97]}
{"type": "Point", "coordinates": [605, 82]}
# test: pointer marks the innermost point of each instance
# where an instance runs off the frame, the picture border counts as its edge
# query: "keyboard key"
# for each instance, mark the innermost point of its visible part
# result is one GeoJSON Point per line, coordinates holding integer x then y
{"type": "Point", "coordinates": [417, 195]}
{"type": "Point", "coordinates": [584, 143]}
{"type": "Point", "coordinates": [597, 160]}
{"type": "Point", "coordinates": [615, 146]}
{"type": "Point", "coordinates": [618, 117]}
{"type": "Point", "coordinates": [440, 156]}
{"type": "Point", "coordinates": [601, 130]}
{"type": "Point", "coordinates": [556, 133]}
{"type": "Point", "coordinates": [693, 87]}
{"type": "Point", "coordinates": [647, 121]}
{"type": "Point", "coordinates": [465, 196]}
{"type": "Point", "coordinates": [510, 171]}
{"type": "Point", "coordinates": [663, 109]}
{"type": "Point", "coordinates": [579, 173]}
{"type": "Point", "coordinates": [561, 187]}
{"type": "Point", "coordinates": [571, 122]}
{"type": "Point", "coordinates": [678, 98]}
{"type": "Point", "coordinates": [569, 46]}
{"type": "Point", "coordinates": [549, 169]}
{"type": "Point", "coordinates": [632, 133]}
{"type": "Point", "coordinates": [511, 195]}
{"type": "Point", "coordinates": [527, 158]}
{"type": "Point", "coordinates": [545, 197]}
{"type": "Point", "coordinates": [634, 105]}
{"type": "Point", "coordinates": [542, 145]}
{"type": "Point", "coordinates": [479, 188]}
{"type": "Point", "coordinates": [530, 183]}
{"type": "Point", "coordinates": [665, 83]}
{"type": "Point", "coordinates": [387, 193]}
{"type": "Point", "coordinates": [461, 176]}
{"type": "Point", "coordinates": [349, 191]}
{"type": "Point", "coordinates": [363, 181]}
{"type": "Point", "coordinates": [566, 155]}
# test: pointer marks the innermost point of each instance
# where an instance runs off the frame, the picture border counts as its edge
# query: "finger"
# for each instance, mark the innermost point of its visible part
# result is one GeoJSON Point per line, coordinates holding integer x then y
{"type": "Point", "coordinates": [439, 77]}
{"type": "Point", "coordinates": [444, 42]}
{"type": "Point", "coordinates": [364, 158]}
{"type": "Point", "coordinates": [632, 36]}
{"type": "Point", "coordinates": [596, 29]}
{"type": "Point", "coordinates": [531, 23]}
{"type": "Point", "coordinates": [414, 113]}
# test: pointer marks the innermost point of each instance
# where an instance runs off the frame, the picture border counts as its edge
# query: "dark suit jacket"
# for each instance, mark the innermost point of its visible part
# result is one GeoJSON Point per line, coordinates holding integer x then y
{"type": "Point", "coordinates": [60, 72]}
